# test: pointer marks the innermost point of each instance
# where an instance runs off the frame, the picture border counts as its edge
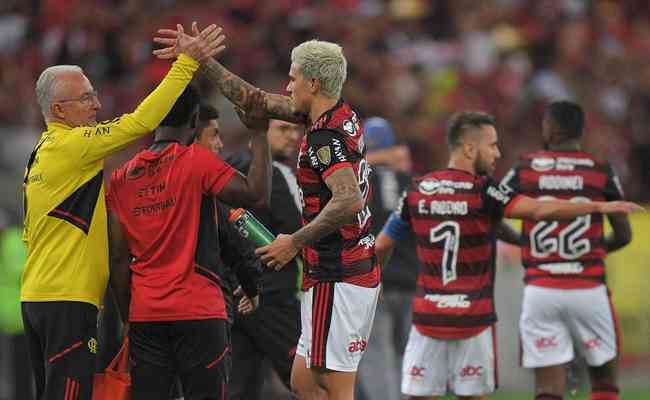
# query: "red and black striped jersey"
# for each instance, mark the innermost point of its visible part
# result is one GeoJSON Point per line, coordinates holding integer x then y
{"type": "Point", "coordinates": [564, 254]}
{"type": "Point", "coordinates": [454, 215]}
{"type": "Point", "coordinates": [335, 141]}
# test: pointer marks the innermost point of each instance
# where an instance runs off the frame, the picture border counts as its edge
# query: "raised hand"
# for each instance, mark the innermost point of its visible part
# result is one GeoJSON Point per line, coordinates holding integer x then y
{"type": "Point", "coordinates": [200, 46]}
{"type": "Point", "coordinates": [254, 119]}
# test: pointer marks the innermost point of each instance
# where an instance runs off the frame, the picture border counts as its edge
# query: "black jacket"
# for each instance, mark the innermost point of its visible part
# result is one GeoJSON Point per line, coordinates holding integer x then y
{"type": "Point", "coordinates": [283, 216]}
{"type": "Point", "coordinates": [243, 267]}
{"type": "Point", "coordinates": [402, 269]}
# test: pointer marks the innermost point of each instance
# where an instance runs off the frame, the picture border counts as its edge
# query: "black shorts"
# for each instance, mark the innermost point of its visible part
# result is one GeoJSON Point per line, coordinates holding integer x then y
{"type": "Point", "coordinates": [195, 351]}
{"type": "Point", "coordinates": [61, 338]}
{"type": "Point", "coordinates": [270, 332]}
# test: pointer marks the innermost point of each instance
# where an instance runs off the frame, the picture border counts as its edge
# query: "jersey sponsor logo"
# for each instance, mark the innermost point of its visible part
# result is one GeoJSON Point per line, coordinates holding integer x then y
{"type": "Point", "coordinates": [151, 190]}
{"type": "Point", "coordinates": [416, 371]}
{"type": "Point", "coordinates": [542, 164]}
{"type": "Point", "coordinates": [400, 203]}
{"type": "Point", "coordinates": [312, 158]}
{"type": "Point", "coordinates": [351, 126]}
{"type": "Point", "coordinates": [135, 173]}
{"type": "Point", "coordinates": [569, 163]}
{"type": "Point", "coordinates": [449, 300]}
{"type": "Point", "coordinates": [154, 208]}
{"type": "Point", "coordinates": [357, 346]}
{"type": "Point", "coordinates": [429, 187]}
{"type": "Point", "coordinates": [562, 268]}
{"type": "Point", "coordinates": [35, 178]}
{"type": "Point", "coordinates": [558, 182]}
{"type": "Point", "coordinates": [497, 195]}
{"type": "Point", "coordinates": [504, 186]}
{"type": "Point", "coordinates": [348, 127]}
{"type": "Point", "coordinates": [443, 207]}
{"type": "Point", "coordinates": [324, 155]}
{"type": "Point", "coordinates": [367, 241]}
{"type": "Point", "coordinates": [100, 131]}
{"type": "Point", "coordinates": [338, 150]}
{"type": "Point", "coordinates": [592, 344]}
{"type": "Point", "coordinates": [617, 183]}
{"type": "Point", "coordinates": [92, 345]}
{"type": "Point", "coordinates": [471, 371]}
{"type": "Point", "coordinates": [544, 343]}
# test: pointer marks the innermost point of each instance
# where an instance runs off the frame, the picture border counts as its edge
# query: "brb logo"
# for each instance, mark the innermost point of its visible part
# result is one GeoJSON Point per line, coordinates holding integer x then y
{"type": "Point", "coordinates": [546, 342]}
{"type": "Point", "coordinates": [592, 344]}
{"type": "Point", "coordinates": [416, 372]}
{"type": "Point", "coordinates": [471, 371]}
{"type": "Point", "coordinates": [357, 346]}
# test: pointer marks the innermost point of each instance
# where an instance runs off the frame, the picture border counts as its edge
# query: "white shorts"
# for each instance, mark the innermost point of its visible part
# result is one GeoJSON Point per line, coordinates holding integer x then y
{"type": "Point", "coordinates": [467, 367]}
{"type": "Point", "coordinates": [557, 323]}
{"type": "Point", "coordinates": [336, 319]}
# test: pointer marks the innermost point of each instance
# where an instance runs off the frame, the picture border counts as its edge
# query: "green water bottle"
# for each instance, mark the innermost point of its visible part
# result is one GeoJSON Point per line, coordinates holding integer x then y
{"type": "Point", "coordinates": [250, 228]}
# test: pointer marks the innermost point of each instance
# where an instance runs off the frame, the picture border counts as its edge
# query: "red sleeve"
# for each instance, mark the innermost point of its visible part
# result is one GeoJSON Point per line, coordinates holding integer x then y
{"type": "Point", "coordinates": [335, 167]}
{"type": "Point", "coordinates": [213, 171]}
{"type": "Point", "coordinates": [510, 205]}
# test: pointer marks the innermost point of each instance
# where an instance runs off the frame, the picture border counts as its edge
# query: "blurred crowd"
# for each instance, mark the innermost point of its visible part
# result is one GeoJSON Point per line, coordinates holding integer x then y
{"type": "Point", "coordinates": [413, 62]}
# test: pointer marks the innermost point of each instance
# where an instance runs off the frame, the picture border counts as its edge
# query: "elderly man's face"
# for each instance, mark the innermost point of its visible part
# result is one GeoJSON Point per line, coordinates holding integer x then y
{"type": "Point", "coordinates": [76, 102]}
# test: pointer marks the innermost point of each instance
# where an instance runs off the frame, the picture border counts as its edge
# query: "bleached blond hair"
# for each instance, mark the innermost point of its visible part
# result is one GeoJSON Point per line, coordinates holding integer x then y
{"type": "Point", "coordinates": [324, 61]}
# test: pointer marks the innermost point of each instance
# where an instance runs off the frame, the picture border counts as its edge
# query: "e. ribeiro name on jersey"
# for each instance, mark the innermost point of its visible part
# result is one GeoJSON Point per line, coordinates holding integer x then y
{"type": "Point", "coordinates": [453, 215]}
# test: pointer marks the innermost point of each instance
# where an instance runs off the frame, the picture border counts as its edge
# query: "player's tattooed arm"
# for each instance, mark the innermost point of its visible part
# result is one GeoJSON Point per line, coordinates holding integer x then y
{"type": "Point", "coordinates": [240, 92]}
{"type": "Point", "coordinates": [343, 207]}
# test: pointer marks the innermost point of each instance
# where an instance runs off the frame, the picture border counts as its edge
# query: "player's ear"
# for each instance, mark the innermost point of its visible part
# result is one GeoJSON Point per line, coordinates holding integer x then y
{"type": "Point", "coordinates": [56, 109]}
{"type": "Point", "coordinates": [315, 86]}
{"type": "Point", "coordinates": [470, 149]}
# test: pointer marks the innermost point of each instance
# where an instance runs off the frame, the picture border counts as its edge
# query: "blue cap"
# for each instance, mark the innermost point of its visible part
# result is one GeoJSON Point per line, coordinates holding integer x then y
{"type": "Point", "coordinates": [378, 134]}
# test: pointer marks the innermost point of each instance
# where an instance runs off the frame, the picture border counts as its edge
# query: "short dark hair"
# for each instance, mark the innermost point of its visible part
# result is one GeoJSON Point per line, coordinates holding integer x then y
{"type": "Point", "coordinates": [461, 122]}
{"type": "Point", "coordinates": [181, 113]}
{"type": "Point", "coordinates": [207, 112]}
{"type": "Point", "coordinates": [567, 117]}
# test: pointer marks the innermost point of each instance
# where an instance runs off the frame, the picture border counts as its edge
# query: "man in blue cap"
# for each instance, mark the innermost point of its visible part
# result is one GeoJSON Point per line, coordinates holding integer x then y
{"type": "Point", "coordinates": [391, 165]}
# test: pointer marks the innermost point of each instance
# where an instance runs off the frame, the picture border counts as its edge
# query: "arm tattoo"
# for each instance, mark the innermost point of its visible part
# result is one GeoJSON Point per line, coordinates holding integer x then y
{"type": "Point", "coordinates": [281, 107]}
{"type": "Point", "coordinates": [339, 210]}
{"type": "Point", "coordinates": [233, 87]}
{"type": "Point", "coordinates": [240, 93]}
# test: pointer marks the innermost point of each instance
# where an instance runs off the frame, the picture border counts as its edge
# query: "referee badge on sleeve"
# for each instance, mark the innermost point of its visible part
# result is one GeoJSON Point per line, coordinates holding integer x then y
{"type": "Point", "coordinates": [324, 155]}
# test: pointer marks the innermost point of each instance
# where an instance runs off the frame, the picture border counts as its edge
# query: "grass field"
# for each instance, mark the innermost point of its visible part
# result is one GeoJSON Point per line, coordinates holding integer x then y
{"type": "Point", "coordinates": [625, 395]}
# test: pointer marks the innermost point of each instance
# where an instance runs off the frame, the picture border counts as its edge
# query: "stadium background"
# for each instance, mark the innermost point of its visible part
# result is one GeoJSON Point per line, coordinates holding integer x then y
{"type": "Point", "coordinates": [411, 61]}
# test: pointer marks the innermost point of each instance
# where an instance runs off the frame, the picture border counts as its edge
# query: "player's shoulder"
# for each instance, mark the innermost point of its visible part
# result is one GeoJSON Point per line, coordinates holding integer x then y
{"type": "Point", "coordinates": [547, 160]}
{"type": "Point", "coordinates": [130, 171]}
{"type": "Point", "coordinates": [446, 181]}
{"type": "Point", "coordinates": [341, 118]}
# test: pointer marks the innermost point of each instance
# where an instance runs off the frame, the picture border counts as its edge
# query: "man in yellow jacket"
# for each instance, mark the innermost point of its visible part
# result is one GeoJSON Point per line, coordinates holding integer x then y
{"type": "Point", "coordinates": [66, 232]}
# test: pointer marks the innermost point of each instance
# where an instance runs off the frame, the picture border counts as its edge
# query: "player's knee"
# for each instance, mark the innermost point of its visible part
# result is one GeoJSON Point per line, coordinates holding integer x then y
{"type": "Point", "coordinates": [604, 374]}
{"type": "Point", "coordinates": [303, 386]}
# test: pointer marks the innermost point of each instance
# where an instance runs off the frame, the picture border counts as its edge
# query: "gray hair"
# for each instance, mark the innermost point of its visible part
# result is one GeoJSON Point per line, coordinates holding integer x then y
{"type": "Point", "coordinates": [323, 61]}
{"type": "Point", "coordinates": [48, 84]}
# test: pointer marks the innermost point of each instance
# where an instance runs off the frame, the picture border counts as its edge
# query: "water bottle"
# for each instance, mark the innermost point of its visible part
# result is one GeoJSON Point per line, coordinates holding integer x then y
{"type": "Point", "coordinates": [250, 228]}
